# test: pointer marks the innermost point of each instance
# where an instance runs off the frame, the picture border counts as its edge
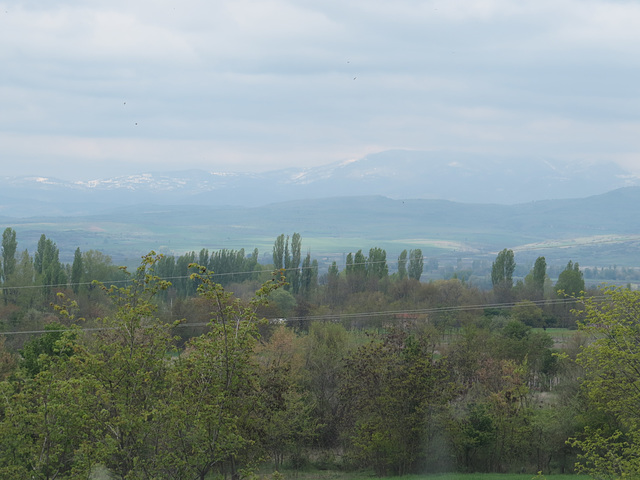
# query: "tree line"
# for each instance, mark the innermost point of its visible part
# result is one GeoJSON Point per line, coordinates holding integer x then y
{"type": "Point", "coordinates": [131, 397]}
{"type": "Point", "coordinates": [394, 375]}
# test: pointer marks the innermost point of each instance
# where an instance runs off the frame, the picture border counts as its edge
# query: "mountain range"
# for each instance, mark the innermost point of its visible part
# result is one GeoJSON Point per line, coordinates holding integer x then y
{"type": "Point", "coordinates": [396, 174]}
{"type": "Point", "coordinates": [453, 207]}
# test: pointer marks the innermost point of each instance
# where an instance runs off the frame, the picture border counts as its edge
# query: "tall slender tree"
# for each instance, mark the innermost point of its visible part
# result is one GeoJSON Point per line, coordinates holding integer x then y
{"type": "Point", "coordinates": [9, 247]}
{"type": "Point", "coordinates": [416, 264]}
{"type": "Point", "coordinates": [279, 252]}
{"type": "Point", "coordinates": [77, 271]}
{"type": "Point", "coordinates": [502, 274]}
{"type": "Point", "coordinates": [293, 271]}
{"type": "Point", "coordinates": [402, 265]}
{"type": "Point", "coordinates": [539, 274]}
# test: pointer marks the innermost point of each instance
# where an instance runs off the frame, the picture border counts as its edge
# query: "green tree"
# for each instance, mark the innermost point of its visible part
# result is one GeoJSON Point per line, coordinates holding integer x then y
{"type": "Point", "coordinates": [502, 274]}
{"type": "Point", "coordinates": [285, 419]}
{"type": "Point", "coordinates": [377, 264]}
{"type": "Point", "coordinates": [394, 392]}
{"type": "Point", "coordinates": [9, 247]}
{"type": "Point", "coordinates": [333, 289]}
{"type": "Point", "coordinates": [402, 265]}
{"type": "Point", "coordinates": [416, 264]}
{"type": "Point", "coordinates": [203, 257]}
{"type": "Point", "coordinates": [98, 267]}
{"type": "Point", "coordinates": [184, 284]}
{"type": "Point", "coordinates": [127, 362]}
{"type": "Point", "coordinates": [570, 281]}
{"type": "Point", "coordinates": [8, 360]}
{"type": "Point", "coordinates": [288, 258]}
{"type": "Point", "coordinates": [211, 397]}
{"type": "Point", "coordinates": [44, 424]}
{"type": "Point", "coordinates": [528, 313]}
{"type": "Point", "coordinates": [293, 270]}
{"type": "Point", "coordinates": [23, 276]}
{"type": "Point", "coordinates": [39, 255]}
{"type": "Point", "coordinates": [309, 274]}
{"type": "Point", "coordinates": [356, 271]}
{"type": "Point", "coordinates": [279, 252]}
{"type": "Point", "coordinates": [283, 303]}
{"type": "Point", "coordinates": [612, 365]}
{"type": "Point", "coordinates": [325, 348]}
{"type": "Point", "coordinates": [77, 271]}
{"type": "Point", "coordinates": [539, 275]}
{"type": "Point", "coordinates": [44, 427]}
{"type": "Point", "coordinates": [47, 265]}
{"type": "Point", "coordinates": [36, 355]}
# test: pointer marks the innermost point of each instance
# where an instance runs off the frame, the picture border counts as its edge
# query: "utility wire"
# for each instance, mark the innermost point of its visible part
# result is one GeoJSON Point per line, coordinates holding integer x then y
{"type": "Point", "coordinates": [352, 315]}
{"type": "Point", "coordinates": [212, 274]}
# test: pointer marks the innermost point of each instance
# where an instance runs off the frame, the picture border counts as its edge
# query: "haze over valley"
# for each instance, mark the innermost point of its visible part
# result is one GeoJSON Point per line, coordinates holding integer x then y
{"type": "Point", "coordinates": [454, 207]}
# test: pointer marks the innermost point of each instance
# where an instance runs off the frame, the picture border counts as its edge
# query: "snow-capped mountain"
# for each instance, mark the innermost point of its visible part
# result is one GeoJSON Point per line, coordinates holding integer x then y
{"type": "Point", "coordinates": [396, 174]}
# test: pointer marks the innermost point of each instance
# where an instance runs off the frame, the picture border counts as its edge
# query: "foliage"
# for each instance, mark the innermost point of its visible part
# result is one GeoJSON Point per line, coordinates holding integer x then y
{"type": "Point", "coordinates": [539, 274]}
{"type": "Point", "coordinates": [37, 353]}
{"type": "Point", "coordinates": [528, 313]}
{"type": "Point", "coordinates": [402, 265]}
{"type": "Point", "coordinates": [377, 264]}
{"type": "Point", "coordinates": [502, 274]}
{"type": "Point", "coordinates": [286, 419]}
{"type": "Point", "coordinates": [393, 392]}
{"type": "Point", "coordinates": [443, 386]}
{"type": "Point", "coordinates": [9, 247]}
{"type": "Point", "coordinates": [127, 362]}
{"type": "Point", "coordinates": [416, 264]}
{"type": "Point", "coordinates": [8, 361]}
{"type": "Point", "coordinates": [570, 281]}
{"type": "Point", "coordinates": [325, 347]}
{"type": "Point", "coordinates": [207, 416]}
{"type": "Point", "coordinates": [612, 365]}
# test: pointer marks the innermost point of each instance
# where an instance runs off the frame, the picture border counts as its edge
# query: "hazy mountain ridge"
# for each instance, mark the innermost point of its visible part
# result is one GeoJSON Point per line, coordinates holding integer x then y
{"type": "Point", "coordinates": [398, 174]}
{"type": "Point", "coordinates": [597, 230]}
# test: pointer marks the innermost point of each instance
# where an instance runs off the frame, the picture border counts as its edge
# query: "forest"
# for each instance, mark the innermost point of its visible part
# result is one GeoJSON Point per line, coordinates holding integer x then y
{"type": "Point", "coordinates": [211, 365]}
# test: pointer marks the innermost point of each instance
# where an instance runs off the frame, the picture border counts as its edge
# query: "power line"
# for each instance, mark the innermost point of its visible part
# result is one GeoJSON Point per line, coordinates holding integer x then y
{"type": "Point", "coordinates": [352, 315]}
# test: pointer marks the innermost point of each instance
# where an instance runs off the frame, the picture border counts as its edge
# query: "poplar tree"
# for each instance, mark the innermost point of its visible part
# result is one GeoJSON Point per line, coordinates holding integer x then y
{"type": "Point", "coordinates": [416, 264]}
{"type": "Point", "coordinates": [402, 265]}
{"type": "Point", "coordinates": [77, 270]}
{"type": "Point", "coordinates": [539, 276]}
{"type": "Point", "coordinates": [9, 247]}
{"type": "Point", "coordinates": [502, 274]}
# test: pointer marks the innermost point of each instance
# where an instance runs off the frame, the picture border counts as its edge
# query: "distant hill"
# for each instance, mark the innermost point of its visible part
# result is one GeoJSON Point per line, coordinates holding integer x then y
{"type": "Point", "coordinates": [597, 230]}
{"type": "Point", "coordinates": [397, 174]}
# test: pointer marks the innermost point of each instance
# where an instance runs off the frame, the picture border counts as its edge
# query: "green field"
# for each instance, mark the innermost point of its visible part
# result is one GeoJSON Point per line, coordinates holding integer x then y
{"type": "Point", "coordinates": [331, 228]}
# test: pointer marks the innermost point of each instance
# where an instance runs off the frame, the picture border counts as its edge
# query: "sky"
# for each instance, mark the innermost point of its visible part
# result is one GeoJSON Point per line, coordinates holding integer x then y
{"type": "Point", "coordinates": [94, 89]}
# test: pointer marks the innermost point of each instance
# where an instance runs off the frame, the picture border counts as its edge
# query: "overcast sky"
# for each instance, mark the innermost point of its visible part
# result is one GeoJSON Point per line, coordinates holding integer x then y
{"type": "Point", "coordinates": [90, 89]}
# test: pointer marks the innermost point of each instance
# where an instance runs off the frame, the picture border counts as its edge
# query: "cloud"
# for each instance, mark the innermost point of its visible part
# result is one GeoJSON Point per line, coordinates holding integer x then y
{"type": "Point", "coordinates": [278, 82]}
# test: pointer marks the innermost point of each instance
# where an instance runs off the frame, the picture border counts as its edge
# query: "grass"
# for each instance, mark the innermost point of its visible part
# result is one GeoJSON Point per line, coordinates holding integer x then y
{"type": "Point", "coordinates": [336, 475]}
{"type": "Point", "coordinates": [102, 474]}
{"type": "Point", "coordinates": [560, 336]}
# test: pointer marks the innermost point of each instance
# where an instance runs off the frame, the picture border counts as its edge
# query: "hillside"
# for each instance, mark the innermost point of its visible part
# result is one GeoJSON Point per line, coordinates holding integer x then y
{"type": "Point", "coordinates": [597, 230]}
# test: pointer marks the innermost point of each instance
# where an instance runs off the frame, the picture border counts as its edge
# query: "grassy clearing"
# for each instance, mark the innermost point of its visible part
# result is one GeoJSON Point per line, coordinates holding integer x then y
{"type": "Point", "coordinates": [560, 336]}
{"type": "Point", "coordinates": [102, 474]}
{"type": "Point", "coordinates": [335, 475]}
